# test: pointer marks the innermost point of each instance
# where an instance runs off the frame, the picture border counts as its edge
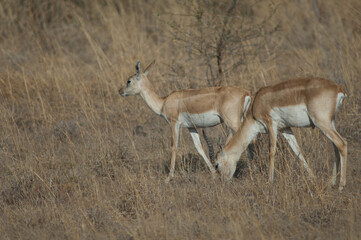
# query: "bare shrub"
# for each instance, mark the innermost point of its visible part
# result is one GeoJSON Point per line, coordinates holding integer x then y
{"type": "Point", "coordinates": [223, 35]}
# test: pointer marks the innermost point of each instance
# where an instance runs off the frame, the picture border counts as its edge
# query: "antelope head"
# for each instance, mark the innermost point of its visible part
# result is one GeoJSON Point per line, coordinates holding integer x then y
{"type": "Point", "coordinates": [224, 166]}
{"type": "Point", "coordinates": [136, 82]}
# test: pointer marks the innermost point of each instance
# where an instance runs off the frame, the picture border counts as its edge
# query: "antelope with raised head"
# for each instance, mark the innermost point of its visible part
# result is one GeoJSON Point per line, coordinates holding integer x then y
{"type": "Point", "coordinates": [191, 108]}
{"type": "Point", "coordinates": [311, 102]}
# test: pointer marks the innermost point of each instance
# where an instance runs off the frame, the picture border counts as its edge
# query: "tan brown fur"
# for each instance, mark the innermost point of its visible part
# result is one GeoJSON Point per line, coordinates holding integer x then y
{"type": "Point", "coordinates": [221, 103]}
{"type": "Point", "coordinates": [293, 92]}
{"type": "Point", "coordinates": [316, 99]}
{"type": "Point", "coordinates": [225, 100]}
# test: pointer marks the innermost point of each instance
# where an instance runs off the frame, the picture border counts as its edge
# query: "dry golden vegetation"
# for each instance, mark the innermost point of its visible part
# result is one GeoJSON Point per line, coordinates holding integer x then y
{"type": "Point", "coordinates": [77, 161]}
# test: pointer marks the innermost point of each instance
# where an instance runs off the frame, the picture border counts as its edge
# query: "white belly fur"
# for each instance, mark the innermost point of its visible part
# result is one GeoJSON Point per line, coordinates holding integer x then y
{"type": "Point", "coordinates": [207, 119]}
{"type": "Point", "coordinates": [291, 116]}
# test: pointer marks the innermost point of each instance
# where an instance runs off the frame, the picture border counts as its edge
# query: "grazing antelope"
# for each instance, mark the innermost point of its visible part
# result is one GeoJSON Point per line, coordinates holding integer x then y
{"type": "Point", "coordinates": [310, 102]}
{"type": "Point", "coordinates": [191, 108]}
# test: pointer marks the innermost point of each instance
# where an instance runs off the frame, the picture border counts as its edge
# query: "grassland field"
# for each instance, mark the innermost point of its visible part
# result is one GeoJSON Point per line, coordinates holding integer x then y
{"type": "Point", "coordinates": [77, 161]}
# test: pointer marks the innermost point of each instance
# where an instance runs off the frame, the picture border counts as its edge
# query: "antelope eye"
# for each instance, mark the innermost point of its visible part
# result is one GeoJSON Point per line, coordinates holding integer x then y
{"type": "Point", "coordinates": [129, 82]}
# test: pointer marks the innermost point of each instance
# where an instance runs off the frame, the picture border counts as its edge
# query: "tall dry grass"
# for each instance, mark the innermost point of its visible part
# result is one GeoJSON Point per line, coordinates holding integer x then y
{"type": "Point", "coordinates": [77, 161]}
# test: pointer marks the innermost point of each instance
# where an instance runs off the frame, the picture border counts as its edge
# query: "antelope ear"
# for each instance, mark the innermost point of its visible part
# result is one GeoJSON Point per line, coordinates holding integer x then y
{"type": "Point", "coordinates": [220, 144]}
{"type": "Point", "coordinates": [147, 70]}
{"type": "Point", "coordinates": [137, 69]}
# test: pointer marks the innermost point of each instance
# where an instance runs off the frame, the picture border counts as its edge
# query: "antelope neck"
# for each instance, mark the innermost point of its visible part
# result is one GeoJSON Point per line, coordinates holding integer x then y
{"type": "Point", "coordinates": [152, 99]}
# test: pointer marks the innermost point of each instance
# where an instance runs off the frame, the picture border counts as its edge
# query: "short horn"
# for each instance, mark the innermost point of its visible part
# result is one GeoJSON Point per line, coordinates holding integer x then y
{"type": "Point", "coordinates": [147, 69]}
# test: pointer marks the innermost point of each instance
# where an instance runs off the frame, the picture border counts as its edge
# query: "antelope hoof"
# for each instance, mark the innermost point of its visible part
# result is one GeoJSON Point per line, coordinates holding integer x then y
{"type": "Point", "coordinates": [167, 180]}
{"type": "Point", "coordinates": [333, 181]}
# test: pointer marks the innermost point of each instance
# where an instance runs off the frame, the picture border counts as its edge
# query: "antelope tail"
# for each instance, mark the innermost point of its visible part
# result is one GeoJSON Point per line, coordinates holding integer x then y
{"type": "Point", "coordinates": [210, 146]}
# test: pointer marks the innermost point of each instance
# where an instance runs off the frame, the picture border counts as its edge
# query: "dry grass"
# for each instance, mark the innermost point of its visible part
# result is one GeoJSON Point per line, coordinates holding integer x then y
{"type": "Point", "coordinates": [80, 162]}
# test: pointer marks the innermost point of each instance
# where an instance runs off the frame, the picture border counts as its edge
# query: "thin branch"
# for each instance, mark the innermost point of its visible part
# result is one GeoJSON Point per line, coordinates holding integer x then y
{"type": "Point", "coordinates": [221, 43]}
